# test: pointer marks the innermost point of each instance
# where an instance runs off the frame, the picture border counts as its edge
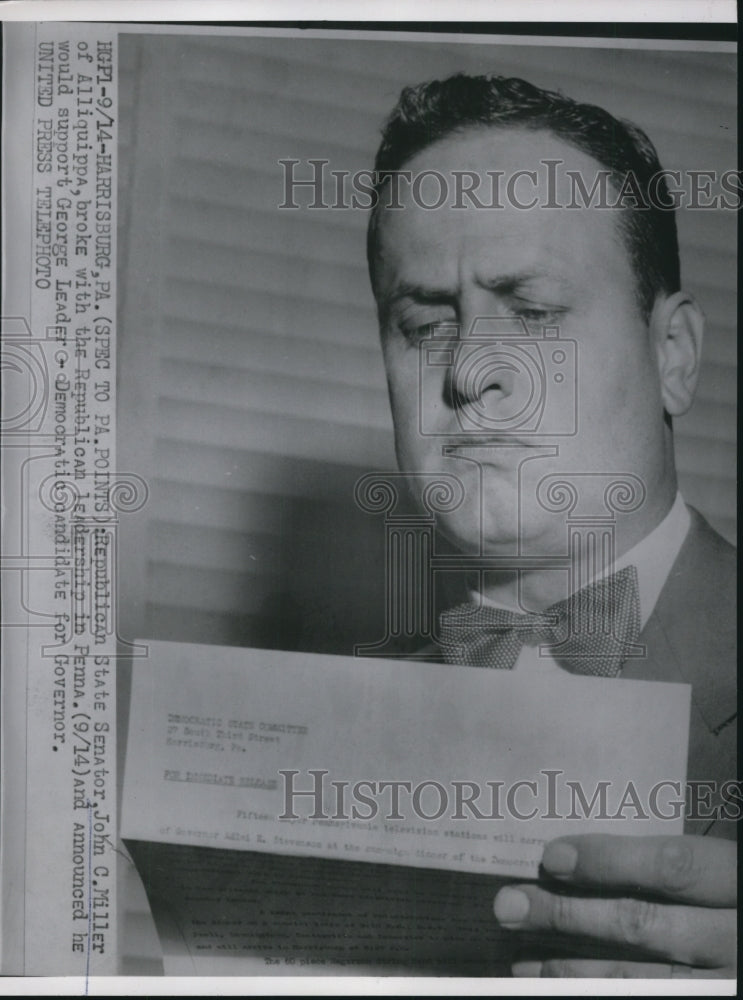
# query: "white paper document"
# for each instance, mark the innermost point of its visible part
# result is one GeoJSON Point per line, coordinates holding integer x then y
{"type": "Point", "coordinates": [419, 764]}
{"type": "Point", "coordinates": [447, 779]}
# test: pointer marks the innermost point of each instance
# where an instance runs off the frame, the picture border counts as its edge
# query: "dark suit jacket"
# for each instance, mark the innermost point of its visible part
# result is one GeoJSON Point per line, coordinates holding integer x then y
{"type": "Point", "coordinates": [691, 638]}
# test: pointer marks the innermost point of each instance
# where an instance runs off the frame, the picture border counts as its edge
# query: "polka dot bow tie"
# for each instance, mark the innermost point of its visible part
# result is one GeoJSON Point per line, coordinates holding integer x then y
{"type": "Point", "coordinates": [589, 633]}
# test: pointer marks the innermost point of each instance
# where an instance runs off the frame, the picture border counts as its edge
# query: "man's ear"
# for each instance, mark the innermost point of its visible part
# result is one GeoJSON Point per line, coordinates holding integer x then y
{"type": "Point", "coordinates": [677, 327]}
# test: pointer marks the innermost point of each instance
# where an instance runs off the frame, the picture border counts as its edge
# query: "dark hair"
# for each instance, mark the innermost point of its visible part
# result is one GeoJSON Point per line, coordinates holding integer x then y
{"type": "Point", "coordinates": [431, 111]}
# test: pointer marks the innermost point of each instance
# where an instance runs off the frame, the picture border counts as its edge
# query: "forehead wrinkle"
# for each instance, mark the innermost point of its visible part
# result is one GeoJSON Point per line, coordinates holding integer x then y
{"type": "Point", "coordinates": [421, 292]}
{"type": "Point", "coordinates": [517, 279]}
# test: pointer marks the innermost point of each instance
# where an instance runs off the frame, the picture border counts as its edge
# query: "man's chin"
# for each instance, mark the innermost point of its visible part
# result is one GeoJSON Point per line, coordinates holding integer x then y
{"type": "Point", "coordinates": [497, 538]}
{"type": "Point", "coordinates": [490, 541]}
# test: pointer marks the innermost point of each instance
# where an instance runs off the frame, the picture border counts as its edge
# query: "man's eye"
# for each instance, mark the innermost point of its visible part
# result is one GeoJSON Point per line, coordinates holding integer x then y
{"type": "Point", "coordinates": [540, 315]}
{"type": "Point", "coordinates": [415, 332]}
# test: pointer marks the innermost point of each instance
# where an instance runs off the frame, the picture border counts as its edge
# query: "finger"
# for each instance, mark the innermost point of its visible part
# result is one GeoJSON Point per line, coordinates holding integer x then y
{"type": "Point", "coordinates": [699, 870]}
{"type": "Point", "coordinates": [576, 968]}
{"type": "Point", "coordinates": [690, 934]}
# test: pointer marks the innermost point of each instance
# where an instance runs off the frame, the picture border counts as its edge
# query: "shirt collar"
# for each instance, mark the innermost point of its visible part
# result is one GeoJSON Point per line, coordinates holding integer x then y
{"type": "Point", "coordinates": [653, 558]}
{"type": "Point", "coordinates": [655, 554]}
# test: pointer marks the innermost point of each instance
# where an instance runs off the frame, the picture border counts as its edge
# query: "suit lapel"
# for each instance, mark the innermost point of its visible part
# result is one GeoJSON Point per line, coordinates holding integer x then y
{"type": "Point", "coordinates": [690, 636]}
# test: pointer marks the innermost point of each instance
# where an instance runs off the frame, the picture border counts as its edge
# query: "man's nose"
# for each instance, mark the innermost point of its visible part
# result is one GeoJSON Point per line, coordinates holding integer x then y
{"type": "Point", "coordinates": [483, 374]}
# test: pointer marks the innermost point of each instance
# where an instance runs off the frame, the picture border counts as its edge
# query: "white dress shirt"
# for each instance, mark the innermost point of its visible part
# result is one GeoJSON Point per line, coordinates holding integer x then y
{"type": "Point", "coordinates": [653, 558]}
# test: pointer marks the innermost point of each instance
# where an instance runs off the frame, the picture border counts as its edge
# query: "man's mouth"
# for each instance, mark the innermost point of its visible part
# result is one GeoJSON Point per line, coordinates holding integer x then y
{"type": "Point", "coordinates": [458, 442]}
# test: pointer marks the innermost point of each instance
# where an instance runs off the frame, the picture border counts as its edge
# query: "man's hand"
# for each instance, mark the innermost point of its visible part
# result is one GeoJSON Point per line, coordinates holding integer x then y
{"type": "Point", "coordinates": [672, 904]}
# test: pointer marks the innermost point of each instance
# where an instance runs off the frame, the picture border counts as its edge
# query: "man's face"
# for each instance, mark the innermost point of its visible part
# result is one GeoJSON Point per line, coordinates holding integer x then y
{"type": "Point", "coordinates": [565, 268]}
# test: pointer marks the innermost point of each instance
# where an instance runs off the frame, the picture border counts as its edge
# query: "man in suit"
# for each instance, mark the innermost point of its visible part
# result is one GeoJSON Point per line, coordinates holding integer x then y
{"type": "Point", "coordinates": [491, 210]}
